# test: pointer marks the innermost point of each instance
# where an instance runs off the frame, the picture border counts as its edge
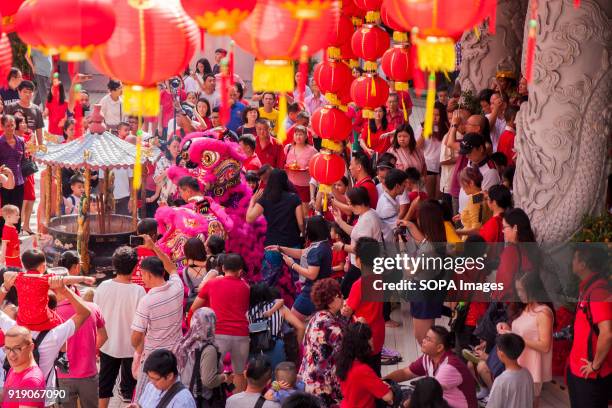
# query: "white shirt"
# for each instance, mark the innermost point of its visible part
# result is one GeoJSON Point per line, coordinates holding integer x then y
{"type": "Point", "coordinates": [496, 131]}
{"type": "Point", "coordinates": [191, 85]}
{"type": "Point", "coordinates": [121, 187]}
{"type": "Point", "coordinates": [431, 151]}
{"type": "Point", "coordinates": [490, 177]}
{"type": "Point", "coordinates": [50, 347]}
{"type": "Point", "coordinates": [388, 210]}
{"type": "Point", "coordinates": [213, 99]}
{"type": "Point", "coordinates": [151, 397]}
{"type": "Point", "coordinates": [112, 110]}
{"type": "Point", "coordinates": [368, 225]}
{"type": "Point", "coordinates": [402, 199]}
{"type": "Point", "coordinates": [118, 302]}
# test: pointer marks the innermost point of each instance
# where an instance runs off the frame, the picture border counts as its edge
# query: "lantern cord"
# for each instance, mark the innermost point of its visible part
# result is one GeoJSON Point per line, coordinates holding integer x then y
{"type": "Point", "coordinates": [531, 41]}
{"type": "Point", "coordinates": [137, 177]}
{"type": "Point", "coordinates": [282, 116]}
{"type": "Point", "coordinates": [429, 106]}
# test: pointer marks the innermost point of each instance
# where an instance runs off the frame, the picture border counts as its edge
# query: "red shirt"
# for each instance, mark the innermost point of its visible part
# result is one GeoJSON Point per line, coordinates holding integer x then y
{"type": "Point", "coordinates": [508, 270]}
{"type": "Point", "coordinates": [600, 306]}
{"type": "Point", "coordinates": [378, 144]}
{"type": "Point", "coordinates": [396, 119]}
{"type": "Point", "coordinates": [33, 296]}
{"type": "Point", "coordinates": [11, 237]}
{"type": "Point", "coordinates": [57, 112]}
{"type": "Point", "coordinates": [492, 230]}
{"type": "Point", "coordinates": [362, 387]}
{"type": "Point", "coordinates": [142, 253]}
{"type": "Point", "coordinates": [337, 258]}
{"type": "Point", "coordinates": [231, 315]}
{"type": "Point", "coordinates": [372, 312]}
{"type": "Point", "coordinates": [506, 145]}
{"type": "Point", "coordinates": [252, 163]}
{"type": "Point", "coordinates": [369, 185]}
{"type": "Point", "coordinates": [272, 154]}
{"type": "Point", "coordinates": [31, 378]}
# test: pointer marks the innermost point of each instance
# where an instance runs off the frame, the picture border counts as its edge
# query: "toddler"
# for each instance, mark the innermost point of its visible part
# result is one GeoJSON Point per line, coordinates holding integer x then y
{"type": "Point", "coordinates": [286, 383]}
{"type": "Point", "coordinates": [9, 249]}
{"type": "Point", "coordinates": [77, 186]}
{"type": "Point", "coordinates": [337, 234]}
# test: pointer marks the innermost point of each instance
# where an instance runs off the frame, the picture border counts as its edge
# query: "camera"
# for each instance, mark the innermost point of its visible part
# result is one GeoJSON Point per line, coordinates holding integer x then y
{"type": "Point", "coordinates": [62, 363]}
{"type": "Point", "coordinates": [175, 84]}
{"type": "Point", "coordinates": [136, 240]}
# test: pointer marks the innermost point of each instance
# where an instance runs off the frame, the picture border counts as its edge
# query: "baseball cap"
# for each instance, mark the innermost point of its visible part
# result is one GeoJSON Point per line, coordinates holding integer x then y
{"type": "Point", "coordinates": [470, 141]}
{"type": "Point", "coordinates": [383, 164]}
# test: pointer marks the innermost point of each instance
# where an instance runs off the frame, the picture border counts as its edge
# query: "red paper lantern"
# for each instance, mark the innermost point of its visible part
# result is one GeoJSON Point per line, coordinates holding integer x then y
{"type": "Point", "coordinates": [369, 92]}
{"type": "Point", "coordinates": [8, 9]}
{"type": "Point", "coordinates": [24, 24]}
{"type": "Point", "coordinates": [370, 42]}
{"type": "Point", "coordinates": [399, 32]}
{"type": "Point", "coordinates": [368, 5]}
{"type": "Point", "coordinates": [332, 76]}
{"type": "Point", "coordinates": [6, 58]}
{"type": "Point", "coordinates": [327, 168]}
{"type": "Point", "coordinates": [397, 66]}
{"type": "Point", "coordinates": [343, 32]}
{"type": "Point", "coordinates": [331, 123]}
{"type": "Point", "coordinates": [73, 38]}
{"type": "Point", "coordinates": [350, 9]}
{"type": "Point", "coordinates": [219, 17]}
{"type": "Point", "coordinates": [152, 41]}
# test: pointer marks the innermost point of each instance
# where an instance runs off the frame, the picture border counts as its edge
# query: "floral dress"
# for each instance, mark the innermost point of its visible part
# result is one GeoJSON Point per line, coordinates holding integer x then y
{"type": "Point", "coordinates": [318, 370]}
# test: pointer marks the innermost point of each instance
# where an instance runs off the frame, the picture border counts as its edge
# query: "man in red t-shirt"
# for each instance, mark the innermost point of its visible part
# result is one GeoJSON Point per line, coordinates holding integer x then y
{"type": "Point", "coordinates": [589, 376]}
{"type": "Point", "coordinates": [232, 329]}
{"type": "Point", "coordinates": [267, 148]}
{"type": "Point", "coordinates": [24, 375]}
{"type": "Point", "coordinates": [248, 145]}
{"type": "Point", "coordinates": [368, 311]}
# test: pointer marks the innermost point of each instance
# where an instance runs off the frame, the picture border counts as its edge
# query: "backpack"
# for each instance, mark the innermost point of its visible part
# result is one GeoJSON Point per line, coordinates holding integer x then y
{"type": "Point", "coordinates": [219, 394]}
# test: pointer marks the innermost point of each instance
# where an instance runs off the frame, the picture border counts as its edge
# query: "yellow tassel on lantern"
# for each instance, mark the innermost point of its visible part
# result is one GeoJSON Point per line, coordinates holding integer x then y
{"type": "Point", "coordinates": [400, 86]}
{"type": "Point", "coordinates": [373, 87]}
{"type": "Point", "coordinates": [400, 37]}
{"type": "Point", "coordinates": [137, 176]}
{"type": "Point", "coordinates": [282, 116]}
{"type": "Point", "coordinates": [325, 189]}
{"type": "Point", "coordinates": [477, 32]}
{"type": "Point", "coordinates": [404, 109]}
{"type": "Point", "coordinates": [436, 54]}
{"type": "Point", "coordinates": [273, 75]}
{"type": "Point", "coordinates": [369, 135]}
{"type": "Point", "coordinates": [372, 17]}
{"type": "Point", "coordinates": [370, 66]}
{"type": "Point", "coordinates": [140, 101]}
{"type": "Point", "coordinates": [334, 53]}
{"type": "Point", "coordinates": [429, 105]}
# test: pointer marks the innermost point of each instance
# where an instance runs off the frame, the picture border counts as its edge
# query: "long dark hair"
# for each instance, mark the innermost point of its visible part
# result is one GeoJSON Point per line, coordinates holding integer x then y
{"type": "Point", "coordinates": [384, 123]}
{"type": "Point", "coordinates": [408, 129]}
{"type": "Point", "coordinates": [427, 393]}
{"type": "Point", "coordinates": [517, 217]}
{"type": "Point", "coordinates": [207, 67]}
{"type": "Point", "coordinates": [167, 149]}
{"type": "Point", "coordinates": [431, 221]}
{"type": "Point", "coordinates": [62, 94]}
{"type": "Point", "coordinates": [355, 346]}
{"type": "Point", "coordinates": [278, 182]}
{"type": "Point", "coordinates": [535, 291]}
{"type": "Point", "coordinates": [443, 122]}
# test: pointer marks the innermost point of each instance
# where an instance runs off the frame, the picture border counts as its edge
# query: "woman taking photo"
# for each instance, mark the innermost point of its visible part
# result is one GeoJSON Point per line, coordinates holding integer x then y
{"type": "Point", "coordinates": [431, 147]}
{"type": "Point", "coordinates": [368, 225]}
{"type": "Point", "coordinates": [535, 325]}
{"type": "Point", "coordinates": [516, 258]}
{"type": "Point", "coordinates": [249, 118]}
{"type": "Point", "coordinates": [375, 137]}
{"type": "Point", "coordinates": [315, 262]}
{"type": "Point", "coordinates": [297, 157]}
{"type": "Point", "coordinates": [427, 237]}
{"type": "Point", "coordinates": [322, 343]}
{"type": "Point", "coordinates": [360, 385]}
{"type": "Point", "coordinates": [12, 149]}
{"type": "Point", "coordinates": [282, 209]}
{"type": "Point", "coordinates": [405, 149]}
{"type": "Point", "coordinates": [263, 306]}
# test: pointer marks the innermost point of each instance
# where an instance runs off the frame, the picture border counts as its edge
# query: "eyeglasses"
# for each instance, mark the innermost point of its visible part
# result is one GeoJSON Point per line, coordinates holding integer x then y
{"type": "Point", "coordinates": [15, 350]}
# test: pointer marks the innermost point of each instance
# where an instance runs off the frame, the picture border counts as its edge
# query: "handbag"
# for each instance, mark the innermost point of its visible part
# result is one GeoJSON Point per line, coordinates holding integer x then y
{"type": "Point", "coordinates": [218, 395]}
{"type": "Point", "coordinates": [261, 337]}
{"type": "Point", "coordinates": [28, 166]}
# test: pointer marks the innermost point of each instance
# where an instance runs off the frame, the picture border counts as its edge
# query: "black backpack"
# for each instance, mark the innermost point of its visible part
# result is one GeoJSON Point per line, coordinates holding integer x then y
{"type": "Point", "coordinates": [219, 394]}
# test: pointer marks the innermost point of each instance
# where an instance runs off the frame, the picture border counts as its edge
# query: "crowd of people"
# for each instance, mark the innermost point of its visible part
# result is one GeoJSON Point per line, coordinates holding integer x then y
{"type": "Point", "coordinates": [195, 333]}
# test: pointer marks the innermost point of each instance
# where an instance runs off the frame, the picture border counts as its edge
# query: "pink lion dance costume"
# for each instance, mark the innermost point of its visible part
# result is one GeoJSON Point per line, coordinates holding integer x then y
{"type": "Point", "coordinates": [216, 164]}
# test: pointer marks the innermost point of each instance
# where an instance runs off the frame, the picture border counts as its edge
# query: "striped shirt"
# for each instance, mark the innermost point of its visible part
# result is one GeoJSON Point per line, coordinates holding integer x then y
{"type": "Point", "coordinates": [11, 157]}
{"type": "Point", "coordinates": [159, 315]}
{"type": "Point", "coordinates": [275, 322]}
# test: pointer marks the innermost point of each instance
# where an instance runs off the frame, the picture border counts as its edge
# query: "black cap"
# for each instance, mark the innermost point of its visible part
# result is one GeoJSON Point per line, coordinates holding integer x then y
{"type": "Point", "coordinates": [470, 141]}
{"type": "Point", "coordinates": [383, 164]}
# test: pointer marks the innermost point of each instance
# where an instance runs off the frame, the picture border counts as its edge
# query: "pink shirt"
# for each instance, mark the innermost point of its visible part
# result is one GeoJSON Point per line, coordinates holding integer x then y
{"type": "Point", "coordinates": [82, 345]}
{"type": "Point", "coordinates": [31, 378]}
{"type": "Point", "coordinates": [299, 177]}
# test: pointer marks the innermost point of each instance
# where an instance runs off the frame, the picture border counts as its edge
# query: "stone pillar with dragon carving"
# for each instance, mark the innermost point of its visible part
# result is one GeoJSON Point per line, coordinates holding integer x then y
{"type": "Point", "coordinates": [564, 130]}
{"type": "Point", "coordinates": [483, 54]}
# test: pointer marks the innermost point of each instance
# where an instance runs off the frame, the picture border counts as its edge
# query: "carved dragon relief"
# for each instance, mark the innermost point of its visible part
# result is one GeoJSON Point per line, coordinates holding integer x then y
{"type": "Point", "coordinates": [563, 131]}
{"type": "Point", "coordinates": [483, 54]}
